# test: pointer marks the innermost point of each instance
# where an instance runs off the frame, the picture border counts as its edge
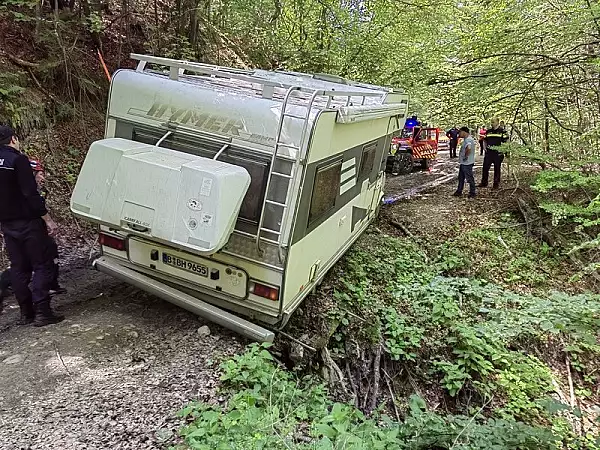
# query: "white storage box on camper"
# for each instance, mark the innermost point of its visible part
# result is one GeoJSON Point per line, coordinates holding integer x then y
{"type": "Point", "coordinates": [181, 199]}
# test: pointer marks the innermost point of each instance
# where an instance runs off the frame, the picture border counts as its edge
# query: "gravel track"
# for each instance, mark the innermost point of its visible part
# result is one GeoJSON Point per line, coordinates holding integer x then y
{"type": "Point", "coordinates": [111, 376]}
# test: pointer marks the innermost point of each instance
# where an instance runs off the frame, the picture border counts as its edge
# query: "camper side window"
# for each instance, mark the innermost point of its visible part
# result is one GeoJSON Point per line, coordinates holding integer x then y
{"type": "Point", "coordinates": [367, 161]}
{"type": "Point", "coordinates": [325, 190]}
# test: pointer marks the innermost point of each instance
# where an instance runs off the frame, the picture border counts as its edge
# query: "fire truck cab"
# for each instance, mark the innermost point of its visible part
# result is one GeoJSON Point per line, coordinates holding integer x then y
{"type": "Point", "coordinates": [416, 144]}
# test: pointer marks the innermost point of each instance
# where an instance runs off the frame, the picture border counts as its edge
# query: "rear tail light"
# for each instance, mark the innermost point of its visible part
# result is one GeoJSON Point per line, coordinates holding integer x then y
{"type": "Point", "coordinates": [264, 291]}
{"type": "Point", "coordinates": [112, 242]}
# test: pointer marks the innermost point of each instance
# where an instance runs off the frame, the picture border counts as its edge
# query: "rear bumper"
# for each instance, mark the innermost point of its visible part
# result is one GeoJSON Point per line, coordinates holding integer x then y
{"type": "Point", "coordinates": [112, 267]}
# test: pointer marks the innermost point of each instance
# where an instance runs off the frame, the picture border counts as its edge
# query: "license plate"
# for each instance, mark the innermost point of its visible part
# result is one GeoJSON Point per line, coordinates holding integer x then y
{"type": "Point", "coordinates": [184, 264]}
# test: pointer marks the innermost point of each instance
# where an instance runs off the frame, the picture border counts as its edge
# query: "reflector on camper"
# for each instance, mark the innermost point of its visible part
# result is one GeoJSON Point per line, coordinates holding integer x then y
{"type": "Point", "coordinates": [177, 198]}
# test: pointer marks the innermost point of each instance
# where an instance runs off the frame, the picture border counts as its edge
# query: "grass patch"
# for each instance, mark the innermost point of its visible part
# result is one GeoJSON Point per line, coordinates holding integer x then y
{"type": "Point", "coordinates": [503, 255]}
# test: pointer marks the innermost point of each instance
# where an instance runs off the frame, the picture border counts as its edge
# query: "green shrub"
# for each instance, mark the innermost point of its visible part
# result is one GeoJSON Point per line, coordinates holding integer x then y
{"type": "Point", "coordinates": [269, 408]}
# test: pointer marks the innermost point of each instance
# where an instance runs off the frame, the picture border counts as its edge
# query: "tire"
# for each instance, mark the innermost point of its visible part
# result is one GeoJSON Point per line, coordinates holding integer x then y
{"type": "Point", "coordinates": [390, 165]}
{"type": "Point", "coordinates": [425, 164]}
{"type": "Point", "coordinates": [405, 163]}
{"type": "Point", "coordinates": [395, 167]}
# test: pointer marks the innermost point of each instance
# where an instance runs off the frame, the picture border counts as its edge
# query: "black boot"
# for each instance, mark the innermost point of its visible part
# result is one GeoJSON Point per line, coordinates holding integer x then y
{"type": "Point", "coordinates": [27, 313]}
{"type": "Point", "coordinates": [44, 315]}
{"type": "Point", "coordinates": [25, 319]}
{"type": "Point", "coordinates": [57, 290]}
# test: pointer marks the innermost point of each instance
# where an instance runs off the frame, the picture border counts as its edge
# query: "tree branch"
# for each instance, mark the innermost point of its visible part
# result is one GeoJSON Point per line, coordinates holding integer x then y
{"type": "Point", "coordinates": [19, 62]}
{"type": "Point", "coordinates": [509, 72]}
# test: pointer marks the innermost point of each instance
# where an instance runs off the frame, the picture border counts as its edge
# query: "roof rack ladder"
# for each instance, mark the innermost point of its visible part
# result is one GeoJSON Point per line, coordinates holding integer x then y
{"type": "Point", "coordinates": [274, 174]}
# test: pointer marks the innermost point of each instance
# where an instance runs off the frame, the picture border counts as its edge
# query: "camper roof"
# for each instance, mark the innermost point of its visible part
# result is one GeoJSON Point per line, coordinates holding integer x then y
{"type": "Point", "coordinates": [270, 85]}
{"type": "Point", "coordinates": [265, 110]}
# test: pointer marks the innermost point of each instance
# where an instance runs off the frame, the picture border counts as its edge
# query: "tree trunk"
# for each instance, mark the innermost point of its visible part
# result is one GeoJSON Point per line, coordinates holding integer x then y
{"type": "Point", "coordinates": [157, 27]}
{"type": "Point", "coordinates": [193, 30]}
{"type": "Point", "coordinates": [546, 130]}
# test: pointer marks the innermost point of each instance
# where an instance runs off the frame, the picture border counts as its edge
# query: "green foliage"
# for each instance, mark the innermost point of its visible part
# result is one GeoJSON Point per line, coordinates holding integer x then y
{"type": "Point", "coordinates": [180, 48]}
{"type": "Point", "coordinates": [11, 105]}
{"type": "Point", "coordinates": [269, 408]}
{"type": "Point", "coordinates": [571, 198]}
{"type": "Point", "coordinates": [94, 22]}
{"type": "Point", "coordinates": [427, 430]}
{"type": "Point", "coordinates": [551, 180]}
{"type": "Point", "coordinates": [473, 337]}
{"type": "Point", "coordinates": [71, 163]}
{"type": "Point", "coordinates": [402, 340]}
{"type": "Point", "coordinates": [519, 263]}
{"type": "Point", "coordinates": [12, 7]}
{"type": "Point", "coordinates": [524, 380]}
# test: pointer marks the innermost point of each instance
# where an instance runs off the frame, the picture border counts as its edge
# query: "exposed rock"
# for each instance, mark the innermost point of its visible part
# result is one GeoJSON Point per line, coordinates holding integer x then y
{"type": "Point", "coordinates": [14, 359]}
{"type": "Point", "coordinates": [204, 331]}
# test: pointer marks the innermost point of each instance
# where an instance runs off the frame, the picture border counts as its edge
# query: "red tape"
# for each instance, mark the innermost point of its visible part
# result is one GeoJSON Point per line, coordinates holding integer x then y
{"type": "Point", "coordinates": [104, 66]}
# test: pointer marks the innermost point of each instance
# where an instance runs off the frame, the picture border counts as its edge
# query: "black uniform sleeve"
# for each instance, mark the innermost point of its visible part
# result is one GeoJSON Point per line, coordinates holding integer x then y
{"type": "Point", "coordinates": [28, 186]}
{"type": "Point", "coordinates": [504, 136]}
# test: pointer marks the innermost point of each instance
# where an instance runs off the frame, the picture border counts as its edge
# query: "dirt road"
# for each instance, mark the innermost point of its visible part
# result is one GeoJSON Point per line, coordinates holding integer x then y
{"type": "Point", "coordinates": [111, 376]}
{"type": "Point", "coordinates": [114, 373]}
{"type": "Point", "coordinates": [442, 170]}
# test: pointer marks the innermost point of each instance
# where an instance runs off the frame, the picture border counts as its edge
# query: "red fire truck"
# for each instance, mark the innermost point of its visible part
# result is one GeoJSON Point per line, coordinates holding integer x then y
{"type": "Point", "coordinates": [417, 144]}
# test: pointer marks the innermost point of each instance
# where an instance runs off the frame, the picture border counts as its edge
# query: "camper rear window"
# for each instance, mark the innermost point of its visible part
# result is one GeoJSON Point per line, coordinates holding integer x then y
{"type": "Point", "coordinates": [325, 191]}
{"type": "Point", "coordinates": [367, 161]}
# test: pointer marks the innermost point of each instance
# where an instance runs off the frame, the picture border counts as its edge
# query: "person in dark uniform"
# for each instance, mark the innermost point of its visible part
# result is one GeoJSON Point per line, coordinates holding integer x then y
{"type": "Point", "coordinates": [40, 177]}
{"type": "Point", "coordinates": [5, 279]}
{"type": "Point", "coordinates": [494, 137]}
{"type": "Point", "coordinates": [26, 226]}
{"type": "Point", "coordinates": [452, 134]}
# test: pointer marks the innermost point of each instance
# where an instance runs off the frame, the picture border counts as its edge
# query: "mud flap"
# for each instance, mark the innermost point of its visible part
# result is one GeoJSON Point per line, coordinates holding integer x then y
{"type": "Point", "coordinates": [358, 214]}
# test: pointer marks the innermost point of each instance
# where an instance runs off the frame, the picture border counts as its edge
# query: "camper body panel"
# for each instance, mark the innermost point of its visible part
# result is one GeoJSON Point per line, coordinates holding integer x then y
{"type": "Point", "coordinates": [330, 137]}
{"type": "Point", "coordinates": [241, 243]}
{"type": "Point", "coordinates": [195, 119]}
{"type": "Point", "coordinates": [158, 101]}
{"type": "Point", "coordinates": [341, 192]}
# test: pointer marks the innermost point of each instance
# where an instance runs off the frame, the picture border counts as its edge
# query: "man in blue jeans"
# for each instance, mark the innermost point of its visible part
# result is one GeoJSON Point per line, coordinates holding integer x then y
{"type": "Point", "coordinates": [466, 159]}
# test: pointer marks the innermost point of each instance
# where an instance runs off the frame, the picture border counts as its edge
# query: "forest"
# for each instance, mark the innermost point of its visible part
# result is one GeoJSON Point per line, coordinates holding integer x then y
{"type": "Point", "coordinates": [473, 332]}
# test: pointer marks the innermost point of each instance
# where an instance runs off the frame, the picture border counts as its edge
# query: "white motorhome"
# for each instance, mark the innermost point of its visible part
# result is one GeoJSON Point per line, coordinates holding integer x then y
{"type": "Point", "coordinates": [232, 192]}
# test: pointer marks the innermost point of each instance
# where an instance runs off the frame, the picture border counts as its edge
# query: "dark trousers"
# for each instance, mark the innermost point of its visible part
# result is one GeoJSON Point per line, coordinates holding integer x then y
{"type": "Point", "coordinates": [5, 278]}
{"type": "Point", "coordinates": [492, 157]}
{"type": "Point", "coordinates": [480, 147]}
{"type": "Point", "coordinates": [465, 173]}
{"type": "Point", "coordinates": [453, 145]}
{"type": "Point", "coordinates": [30, 250]}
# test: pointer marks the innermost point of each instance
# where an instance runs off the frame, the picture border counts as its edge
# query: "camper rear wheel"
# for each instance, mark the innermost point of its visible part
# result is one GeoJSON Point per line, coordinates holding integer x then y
{"type": "Point", "coordinates": [425, 164]}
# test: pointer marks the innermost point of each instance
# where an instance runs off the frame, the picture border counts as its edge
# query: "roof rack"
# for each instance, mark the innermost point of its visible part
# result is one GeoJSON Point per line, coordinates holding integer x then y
{"type": "Point", "coordinates": [342, 80]}
{"type": "Point", "coordinates": [265, 84]}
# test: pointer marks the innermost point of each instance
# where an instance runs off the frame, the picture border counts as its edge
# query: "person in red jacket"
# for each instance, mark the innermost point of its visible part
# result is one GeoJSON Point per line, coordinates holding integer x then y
{"type": "Point", "coordinates": [482, 133]}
